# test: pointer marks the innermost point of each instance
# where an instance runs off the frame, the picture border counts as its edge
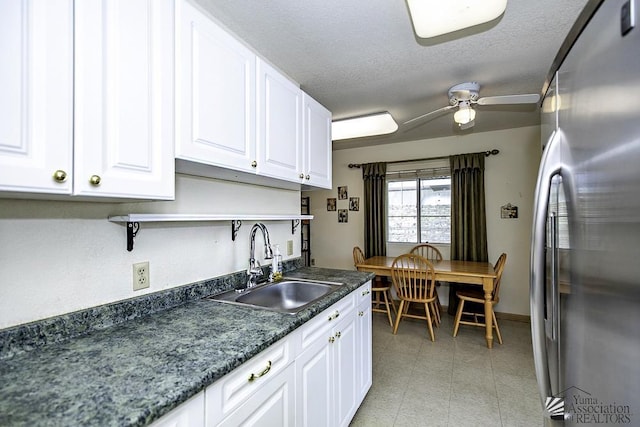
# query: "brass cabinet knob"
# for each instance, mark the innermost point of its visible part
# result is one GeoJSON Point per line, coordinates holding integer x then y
{"type": "Point", "coordinates": [60, 176]}
{"type": "Point", "coordinates": [338, 334]}
{"type": "Point", "coordinates": [361, 313]}
{"type": "Point", "coordinates": [332, 339]}
{"type": "Point", "coordinates": [308, 177]}
{"type": "Point", "coordinates": [301, 176]}
{"type": "Point", "coordinates": [254, 164]}
{"type": "Point", "coordinates": [94, 180]}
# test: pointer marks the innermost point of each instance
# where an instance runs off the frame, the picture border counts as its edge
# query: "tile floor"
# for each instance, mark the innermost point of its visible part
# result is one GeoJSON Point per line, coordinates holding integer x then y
{"type": "Point", "coordinates": [452, 382]}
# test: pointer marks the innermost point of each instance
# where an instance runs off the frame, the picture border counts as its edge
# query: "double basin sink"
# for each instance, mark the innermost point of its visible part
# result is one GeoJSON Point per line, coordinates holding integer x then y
{"type": "Point", "coordinates": [286, 296]}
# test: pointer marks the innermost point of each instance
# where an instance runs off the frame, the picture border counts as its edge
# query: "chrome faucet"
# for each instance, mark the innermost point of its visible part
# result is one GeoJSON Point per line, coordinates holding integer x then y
{"type": "Point", "coordinates": [254, 272]}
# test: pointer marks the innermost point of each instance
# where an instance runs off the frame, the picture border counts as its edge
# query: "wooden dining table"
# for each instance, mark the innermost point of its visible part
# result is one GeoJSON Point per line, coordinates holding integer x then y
{"type": "Point", "coordinates": [472, 272]}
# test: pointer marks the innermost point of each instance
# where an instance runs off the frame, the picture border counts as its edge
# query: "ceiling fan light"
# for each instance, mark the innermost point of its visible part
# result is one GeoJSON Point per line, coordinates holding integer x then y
{"type": "Point", "coordinates": [464, 115]}
{"type": "Point", "coordinates": [358, 127]}
{"type": "Point", "coordinates": [433, 18]}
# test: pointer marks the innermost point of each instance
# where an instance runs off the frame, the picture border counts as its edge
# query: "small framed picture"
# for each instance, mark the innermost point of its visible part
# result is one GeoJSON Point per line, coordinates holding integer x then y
{"type": "Point", "coordinates": [354, 203]}
{"type": "Point", "coordinates": [342, 193]}
{"type": "Point", "coordinates": [343, 215]}
{"type": "Point", "coordinates": [508, 211]}
{"type": "Point", "coordinates": [331, 204]}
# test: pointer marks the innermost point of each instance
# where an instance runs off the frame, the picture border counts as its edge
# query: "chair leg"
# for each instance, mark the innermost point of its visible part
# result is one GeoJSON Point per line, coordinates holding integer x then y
{"type": "Point", "coordinates": [436, 313]}
{"type": "Point", "coordinates": [458, 317]}
{"type": "Point", "coordinates": [393, 305]}
{"type": "Point", "coordinates": [398, 318]}
{"type": "Point", "coordinates": [495, 323]}
{"type": "Point", "coordinates": [386, 304]}
{"type": "Point", "coordinates": [426, 309]}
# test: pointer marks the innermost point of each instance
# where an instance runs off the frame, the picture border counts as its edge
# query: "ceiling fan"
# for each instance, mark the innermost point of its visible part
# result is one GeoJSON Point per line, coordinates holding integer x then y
{"type": "Point", "coordinates": [462, 96]}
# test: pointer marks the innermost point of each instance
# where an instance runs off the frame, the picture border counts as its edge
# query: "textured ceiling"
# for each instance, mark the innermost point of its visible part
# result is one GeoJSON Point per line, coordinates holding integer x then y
{"type": "Point", "coordinates": [358, 57]}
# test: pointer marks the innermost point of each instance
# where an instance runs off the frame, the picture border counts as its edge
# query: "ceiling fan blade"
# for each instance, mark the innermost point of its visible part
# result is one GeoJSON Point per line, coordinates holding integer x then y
{"type": "Point", "coordinates": [529, 98]}
{"type": "Point", "coordinates": [431, 114]}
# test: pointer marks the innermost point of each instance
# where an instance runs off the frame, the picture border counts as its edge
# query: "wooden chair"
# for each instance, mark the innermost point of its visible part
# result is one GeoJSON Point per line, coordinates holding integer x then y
{"type": "Point", "coordinates": [477, 296]}
{"type": "Point", "coordinates": [379, 287]}
{"type": "Point", "coordinates": [414, 281]}
{"type": "Point", "coordinates": [431, 253]}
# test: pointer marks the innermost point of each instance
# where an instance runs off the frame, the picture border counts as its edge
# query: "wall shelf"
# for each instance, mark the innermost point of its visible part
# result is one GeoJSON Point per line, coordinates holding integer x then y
{"type": "Point", "coordinates": [133, 221]}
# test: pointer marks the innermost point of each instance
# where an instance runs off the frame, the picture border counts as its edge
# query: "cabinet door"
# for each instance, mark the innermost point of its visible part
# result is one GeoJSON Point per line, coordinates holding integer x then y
{"type": "Point", "coordinates": [364, 349]}
{"type": "Point", "coordinates": [216, 94]}
{"type": "Point", "coordinates": [345, 368]}
{"type": "Point", "coordinates": [273, 405]}
{"type": "Point", "coordinates": [314, 383]}
{"type": "Point", "coordinates": [317, 168]}
{"type": "Point", "coordinates": [36, 105]}
{"type": "Point", "coordinates": [279, 125]}
{"type": "Point", "coordinates": [124, 98]}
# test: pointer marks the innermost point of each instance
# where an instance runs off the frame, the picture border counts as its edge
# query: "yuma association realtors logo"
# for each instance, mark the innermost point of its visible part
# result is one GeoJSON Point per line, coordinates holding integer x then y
{"type": "Point", "coordinates": [582, 407]}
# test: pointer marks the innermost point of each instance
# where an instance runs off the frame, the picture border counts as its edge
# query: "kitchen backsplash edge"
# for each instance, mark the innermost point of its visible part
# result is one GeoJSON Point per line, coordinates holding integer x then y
{"type": "Point", "coordinates": [30, 336]}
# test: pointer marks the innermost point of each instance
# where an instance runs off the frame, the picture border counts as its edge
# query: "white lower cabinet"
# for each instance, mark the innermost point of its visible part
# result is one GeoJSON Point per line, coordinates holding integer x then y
{"type": "Point", "coordinates": [261, 387]}
{"type": "Point", "coordinates": [189, 414]}
{"type": "Point", "coordinates": [364, 336]}
{"type": "Point", "coordinates": [330, 376]}
{"type": "Point", "coordinates": [273, 405]}
{"type": "Point", "coordinates": [316, 376]}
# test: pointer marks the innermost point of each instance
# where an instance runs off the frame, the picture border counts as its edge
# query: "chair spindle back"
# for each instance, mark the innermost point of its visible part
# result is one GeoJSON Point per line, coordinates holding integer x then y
{"type": "Point", "coordinates": [413, 277]}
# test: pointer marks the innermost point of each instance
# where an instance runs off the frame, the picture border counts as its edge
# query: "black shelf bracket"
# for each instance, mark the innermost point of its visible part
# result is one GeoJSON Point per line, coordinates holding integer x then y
{"type": "Point", "coordinates": [132, 230]}
{"type": "Point", "coordinates": [235, 227]}
{"type": "Point", "coordinates": [294, 224]}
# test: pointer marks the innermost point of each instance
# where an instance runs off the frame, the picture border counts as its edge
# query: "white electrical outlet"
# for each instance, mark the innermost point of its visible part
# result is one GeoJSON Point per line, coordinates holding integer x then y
{"type": "Point", "coordinates": [141, 276]}
{"type": "Point", "coordinates": [289, 247]}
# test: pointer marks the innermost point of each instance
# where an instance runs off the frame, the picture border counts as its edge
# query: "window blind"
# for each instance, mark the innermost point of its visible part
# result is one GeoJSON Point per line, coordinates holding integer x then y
{"type": "Point", "coordinates": [430, 169]}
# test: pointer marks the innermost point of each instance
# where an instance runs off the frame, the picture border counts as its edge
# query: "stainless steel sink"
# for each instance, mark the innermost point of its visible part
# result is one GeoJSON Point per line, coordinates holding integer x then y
{"type": "Point", "coordinates": [287, 296]}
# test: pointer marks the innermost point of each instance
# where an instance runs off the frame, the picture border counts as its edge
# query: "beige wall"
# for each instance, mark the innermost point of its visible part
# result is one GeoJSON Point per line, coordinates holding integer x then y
{"type": "Point", "coordinates": [59, 257]}
{"type": "Point", "coordinates": [509, 178]}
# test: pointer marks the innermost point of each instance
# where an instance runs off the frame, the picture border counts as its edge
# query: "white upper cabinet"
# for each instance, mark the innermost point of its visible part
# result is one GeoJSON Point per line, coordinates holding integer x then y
{"type": "Point", "coordinates": [124, 98]}
{"type": "Point", "coordinates": [238, 118]}
{"type": "Point", "coordinates": [317, 144]}
{"type": "Point", "coordinates": [216, 114]}
{"type": "Point", "coordinates": [36, 105]}
{"type": "Point", "coordinates": [279, 148]}
{"type": "Point", "coordinates": [94, 121]}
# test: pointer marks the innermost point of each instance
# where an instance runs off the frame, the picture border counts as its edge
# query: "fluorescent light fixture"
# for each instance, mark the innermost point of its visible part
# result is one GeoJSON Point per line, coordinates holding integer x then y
{"type": "Point", "coordinates": [433, 18]}
{"type": "Point", "coordinates": [465, 114]}
{"type": "Point", "coordinates": [358, 127]}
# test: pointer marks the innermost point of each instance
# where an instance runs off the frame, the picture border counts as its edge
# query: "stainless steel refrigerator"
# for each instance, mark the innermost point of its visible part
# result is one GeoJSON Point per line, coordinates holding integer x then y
{"type": "Point", "coordinates": [585, 255]}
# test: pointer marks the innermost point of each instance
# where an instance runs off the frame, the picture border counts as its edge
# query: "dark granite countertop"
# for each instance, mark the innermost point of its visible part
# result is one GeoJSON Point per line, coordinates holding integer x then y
{"type": "Point", "coordinates": [133, 373]}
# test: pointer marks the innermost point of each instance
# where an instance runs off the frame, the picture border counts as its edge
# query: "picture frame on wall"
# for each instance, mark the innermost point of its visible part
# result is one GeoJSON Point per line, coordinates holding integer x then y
{"type": "Point", "coordinates": [343, 215]}
{"type": "Point", "coordinates": [342, 193]}
{"type": "Point", "coordinates": [354, 203]}
{"type": "Point", "coordinates": [331, 204]}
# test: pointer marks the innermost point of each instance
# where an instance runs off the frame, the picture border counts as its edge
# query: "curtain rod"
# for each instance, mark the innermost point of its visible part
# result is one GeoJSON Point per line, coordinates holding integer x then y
{"type": "Point", "coordinates": [486, 153]}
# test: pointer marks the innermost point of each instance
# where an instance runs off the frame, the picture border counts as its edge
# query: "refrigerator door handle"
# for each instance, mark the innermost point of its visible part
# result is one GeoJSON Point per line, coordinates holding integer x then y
{"type": "Point", "coordinates": [550, 166]}
{"type": "Point", "coordinates": [555, 317]}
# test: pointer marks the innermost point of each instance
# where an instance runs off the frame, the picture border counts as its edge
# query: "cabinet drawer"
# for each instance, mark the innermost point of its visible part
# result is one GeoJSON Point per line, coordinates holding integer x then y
{"type": "Point", "coordinates": [326, 320]}
{"type": "Point", "coordinates": [363, 293]}
{"type": "Point", "coordinates": [233, 389]}
{"type": "Point", "coordinates": [273, 405]}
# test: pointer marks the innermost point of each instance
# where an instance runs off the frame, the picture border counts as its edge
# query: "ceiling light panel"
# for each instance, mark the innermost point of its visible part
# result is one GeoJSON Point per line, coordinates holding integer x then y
{"type": "Point", "coordinates": [433, 18]}
{"type": "Point", "coordinates": [358, 127]}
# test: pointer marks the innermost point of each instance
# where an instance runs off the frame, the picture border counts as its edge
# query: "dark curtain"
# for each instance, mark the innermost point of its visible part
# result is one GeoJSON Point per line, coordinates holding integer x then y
{"type": "Point", "coordinates": [375, 192]}
{"type": "Point", "coordinates": [468, 215]}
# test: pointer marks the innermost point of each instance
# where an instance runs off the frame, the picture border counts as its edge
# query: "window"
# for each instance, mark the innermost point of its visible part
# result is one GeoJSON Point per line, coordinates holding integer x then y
{"type": "Point", "coordinates": [419, 207]}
